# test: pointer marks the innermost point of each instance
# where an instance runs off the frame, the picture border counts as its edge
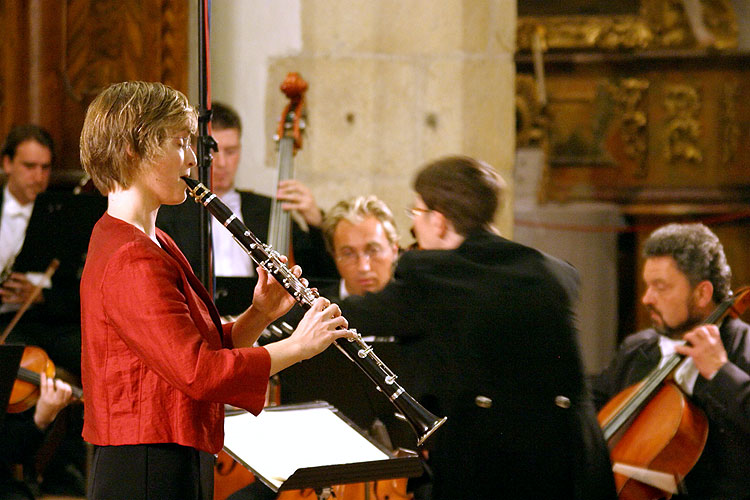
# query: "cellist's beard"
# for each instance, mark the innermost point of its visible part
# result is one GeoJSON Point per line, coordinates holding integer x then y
{"type": "Point", "coordinates": [675, 332]}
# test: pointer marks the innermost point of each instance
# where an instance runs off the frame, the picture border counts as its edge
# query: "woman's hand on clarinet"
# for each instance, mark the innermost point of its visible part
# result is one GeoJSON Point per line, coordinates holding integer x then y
{"type": "Point", "coordinates": [270, 299]}
{"type": "Point", "coordinates": [321, 326]}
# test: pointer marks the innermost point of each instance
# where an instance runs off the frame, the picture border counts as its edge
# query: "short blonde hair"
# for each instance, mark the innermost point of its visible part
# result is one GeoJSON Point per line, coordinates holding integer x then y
{"type": "Point", "coordinates": [355, 210]}
{"type": "Point", "coordinates": [126, 126]}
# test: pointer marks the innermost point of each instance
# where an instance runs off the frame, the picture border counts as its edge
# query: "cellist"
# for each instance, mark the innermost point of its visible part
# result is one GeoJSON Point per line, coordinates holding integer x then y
{"type": "Point", "coordinates": [686, 276]}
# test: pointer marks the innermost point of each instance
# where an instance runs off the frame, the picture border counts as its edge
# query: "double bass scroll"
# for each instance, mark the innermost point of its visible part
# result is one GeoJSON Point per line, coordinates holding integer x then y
{"type": "Point", "coordinates": [289, 139]}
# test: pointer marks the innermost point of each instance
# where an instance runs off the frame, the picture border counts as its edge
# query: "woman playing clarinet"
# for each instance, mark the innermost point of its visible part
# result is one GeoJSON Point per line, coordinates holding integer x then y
{"type": "Point", "coordinates": [157, 364]}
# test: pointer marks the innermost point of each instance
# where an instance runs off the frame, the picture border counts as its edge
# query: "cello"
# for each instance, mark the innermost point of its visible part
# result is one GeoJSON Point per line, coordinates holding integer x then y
{"type": "Point", "coordinates": [655, 433]}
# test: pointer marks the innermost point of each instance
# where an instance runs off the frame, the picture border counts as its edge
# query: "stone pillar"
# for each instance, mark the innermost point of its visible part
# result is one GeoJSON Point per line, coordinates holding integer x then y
{"type": "Point", "coordinates": [394, 84]}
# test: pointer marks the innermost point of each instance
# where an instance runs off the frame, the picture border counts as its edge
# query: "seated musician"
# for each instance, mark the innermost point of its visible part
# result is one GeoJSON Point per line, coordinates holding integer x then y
{"type": "Point", "coordinates": [230, 260]}
{"type": "Point", "coordinates": [687, 276]}
{"type": "Point", "coordinates": [22, 435]}
{"type": "Point", "coordinates": [35, 228]}
{"type": "Point", "coordinates": [361, 236]}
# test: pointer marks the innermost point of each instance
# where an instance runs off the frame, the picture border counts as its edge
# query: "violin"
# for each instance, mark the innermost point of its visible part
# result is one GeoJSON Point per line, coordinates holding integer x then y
{"type": "Point", "coordinates": [25, 392]}
{"type": "Point", "coordinates": [655, 433]}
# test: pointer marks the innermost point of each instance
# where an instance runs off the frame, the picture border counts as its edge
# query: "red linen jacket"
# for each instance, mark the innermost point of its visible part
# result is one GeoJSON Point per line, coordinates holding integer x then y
{"type": "Point", "coordinates": [157, 366]}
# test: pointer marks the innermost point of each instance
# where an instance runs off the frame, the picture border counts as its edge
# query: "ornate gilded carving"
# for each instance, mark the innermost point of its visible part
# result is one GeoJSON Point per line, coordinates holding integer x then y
{"type": "Point", "coordinates": [729, 132]}
{"type": "Point", "coordinates": [585, 32]}
{"type": "Point", "coordinates": [659, 24]}
{"type": "Point", "coordinates": [530, 120]}
{"type": "Point", "coordinates": [629, 95]}
{"type": "Point", "coordinates": [682, 103]}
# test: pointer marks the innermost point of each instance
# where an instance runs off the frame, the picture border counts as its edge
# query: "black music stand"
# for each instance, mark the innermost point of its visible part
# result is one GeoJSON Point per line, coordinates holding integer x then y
{"type": "Point", "coordinates": [10, 359]}
{"type": "Point", "coordinates": [310, 445]}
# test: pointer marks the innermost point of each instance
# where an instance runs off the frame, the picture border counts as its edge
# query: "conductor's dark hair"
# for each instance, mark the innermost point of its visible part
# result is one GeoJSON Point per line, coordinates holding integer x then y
{"type": "Point", "coordinates": [466, 191]}
{"type": "Point", "coordinates": [697, 252]}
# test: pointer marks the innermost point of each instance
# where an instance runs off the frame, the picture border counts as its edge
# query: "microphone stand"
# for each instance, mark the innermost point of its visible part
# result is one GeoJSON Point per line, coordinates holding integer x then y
{"type": "Point", "coordinates": [206, 142]}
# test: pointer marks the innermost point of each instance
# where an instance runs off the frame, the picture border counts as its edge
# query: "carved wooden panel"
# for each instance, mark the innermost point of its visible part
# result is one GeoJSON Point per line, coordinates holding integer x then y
{"type": "Point", "coordinates": [643, 112]}
{"type": "Point", "coordinates": [62, 53]}
{"type": "Point", "coordinates": [666, 127]}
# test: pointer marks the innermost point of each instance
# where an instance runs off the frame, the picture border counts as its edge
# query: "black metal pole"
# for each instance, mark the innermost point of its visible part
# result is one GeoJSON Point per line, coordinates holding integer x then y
{"type": "Point", "coordinates": [206, 143]}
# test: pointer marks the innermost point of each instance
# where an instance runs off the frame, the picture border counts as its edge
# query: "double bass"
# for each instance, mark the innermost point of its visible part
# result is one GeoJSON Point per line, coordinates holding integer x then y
{"type": "Point", "coordinates": [289, 139]}
{"type": "Point", "coordinates": [655, 433]}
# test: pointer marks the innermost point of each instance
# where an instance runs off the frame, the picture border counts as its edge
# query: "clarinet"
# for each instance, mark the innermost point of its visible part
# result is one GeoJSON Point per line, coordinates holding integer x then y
{"type": "Point", "coordinates": [423, 422]}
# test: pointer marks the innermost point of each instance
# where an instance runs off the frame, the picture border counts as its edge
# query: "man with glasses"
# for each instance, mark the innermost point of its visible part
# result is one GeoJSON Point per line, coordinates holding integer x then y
{"type": "Point", "coordinates": [361, 236]}
{"type": "Point", "coordinates": [488, 339]}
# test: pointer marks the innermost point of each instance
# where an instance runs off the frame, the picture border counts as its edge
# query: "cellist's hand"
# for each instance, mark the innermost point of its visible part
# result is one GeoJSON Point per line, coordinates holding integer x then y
{"type": "Point", "coordinates": [54, 395]}
{"type": "Point", "coordinates": [705, 347]}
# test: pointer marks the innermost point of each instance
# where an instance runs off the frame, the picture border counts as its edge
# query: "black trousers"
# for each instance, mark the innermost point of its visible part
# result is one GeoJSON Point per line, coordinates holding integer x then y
{"type": "Point", "coordinates": [151, 472]}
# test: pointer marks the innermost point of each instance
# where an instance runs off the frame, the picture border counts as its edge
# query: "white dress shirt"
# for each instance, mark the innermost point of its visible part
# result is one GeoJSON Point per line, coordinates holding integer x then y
{"type": "Point", "coordinates": [229, 257]}
{"type": "Point", "coordinates": [686, 373]}
{"type": "Point", "coordinates": [15, 220]}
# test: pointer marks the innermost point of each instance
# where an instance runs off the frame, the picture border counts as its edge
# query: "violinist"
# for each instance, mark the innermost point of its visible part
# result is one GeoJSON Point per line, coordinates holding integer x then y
{"type": "Point", "coordinates": [157, 363]}
{"type": "Point", "coordinates": [52, 321]}
{"type": "Point", "coordinates": [22, 435]}
{"type": "Point", "coordinates": [686, 277]}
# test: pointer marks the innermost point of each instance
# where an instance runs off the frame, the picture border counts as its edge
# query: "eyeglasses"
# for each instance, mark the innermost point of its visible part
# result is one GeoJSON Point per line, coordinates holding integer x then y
{"type": "Point", "coordinates": [413, 211]}
{"type": "Point", "coordinates": [350, 256]}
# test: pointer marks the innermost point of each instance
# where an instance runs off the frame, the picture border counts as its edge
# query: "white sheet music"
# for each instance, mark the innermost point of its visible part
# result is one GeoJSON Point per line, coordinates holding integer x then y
{"type": "Point", "coordinates": [277, 443]}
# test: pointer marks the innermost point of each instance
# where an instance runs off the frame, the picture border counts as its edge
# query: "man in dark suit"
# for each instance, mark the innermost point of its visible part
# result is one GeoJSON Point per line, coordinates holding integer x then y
{"type": "Point", "coordinates": [489, 341]}
{"type": "Point", "coordinates": [181, 222]}
{"type": "Point", "coordinates": [361, 236]}
{"type": "Point", "coordinates": [687, 276]}
{"type": "Point", "coordinates": [27, 163]}
{"type": "Point", "coordinates": [36, 226]}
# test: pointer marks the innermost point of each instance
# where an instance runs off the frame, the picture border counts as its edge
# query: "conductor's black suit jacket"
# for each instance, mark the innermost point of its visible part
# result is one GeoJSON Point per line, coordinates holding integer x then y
{"type": "Point", "coordinates": [489, 340]}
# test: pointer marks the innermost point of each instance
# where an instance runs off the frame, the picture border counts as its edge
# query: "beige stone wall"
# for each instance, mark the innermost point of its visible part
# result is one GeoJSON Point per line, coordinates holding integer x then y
{"type": "Point", "coordinates": [396, 83]}
{"type": "Point", "coordinates": [393, 84]}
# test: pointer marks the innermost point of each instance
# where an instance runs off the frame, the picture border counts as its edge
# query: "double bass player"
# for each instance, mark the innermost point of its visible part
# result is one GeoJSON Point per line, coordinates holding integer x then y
{"type": "Point", "coordinates": [686, 277]}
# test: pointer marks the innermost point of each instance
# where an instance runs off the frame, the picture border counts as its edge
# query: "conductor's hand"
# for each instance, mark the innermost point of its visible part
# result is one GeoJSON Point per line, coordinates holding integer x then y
{"type": "Point", "coordinates": [270, 299]}
{"type": "Point", "coordinates": [17, 289]}
{"type": "Point", "coordinates": [320, 326]}
{"type": "Point", "coordinates": [297, 196]}
{"type": "Point", "coordinates": [54, 395]}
